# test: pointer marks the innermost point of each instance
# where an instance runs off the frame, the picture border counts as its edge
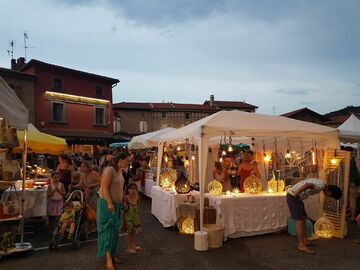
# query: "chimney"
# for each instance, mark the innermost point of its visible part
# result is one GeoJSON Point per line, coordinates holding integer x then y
{"type": "Point", "coordinates": [20, 63]}
{"type": "Point", "coordinates": [212, 99]}
{"type": "Point", "coordinates": [13, 64]}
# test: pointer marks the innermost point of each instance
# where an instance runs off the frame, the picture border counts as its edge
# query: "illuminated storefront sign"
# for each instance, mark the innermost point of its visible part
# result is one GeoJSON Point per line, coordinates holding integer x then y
{"type": "Point", "coordinates": [76, 99]}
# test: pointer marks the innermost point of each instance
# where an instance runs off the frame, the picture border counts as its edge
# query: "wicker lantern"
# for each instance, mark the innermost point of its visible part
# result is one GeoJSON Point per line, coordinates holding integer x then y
{"type": "Point", "coordinates": [324, 227]}
{"type": "Point", "coordinates": [252, 184]}
{"type": "Point", "coordinates": [215, 187]}
{"type": "Point", "coordinates": [188, 225]}
{"type": "Point", "coordinates": [182, 184]}
{"type": "Point", "coordinates": [272, 185]}
{"type": "Point", "coordinates": [166, 180]}
{"type": "Point", "coordinates": [280, 185]}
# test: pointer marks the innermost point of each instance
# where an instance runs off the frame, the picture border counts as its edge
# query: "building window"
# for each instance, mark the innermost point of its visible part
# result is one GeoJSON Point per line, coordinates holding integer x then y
{"type": "Point", "coordinates": [143, 126]}
{"type": "Point", "coordinates": [117, 124]}
{"type": "Point", "coordinates": [187, 115]}
{"type": "Point", "coordinates": [58, 85]}
{"type": "Point", "coordinates": [58, 112]}
{"type": "Point", "coordinates": [163, 115]}
{"type": "Point", "coordinates": [100, 116]}
{"type": "Point", "coordinates": [99, 92]}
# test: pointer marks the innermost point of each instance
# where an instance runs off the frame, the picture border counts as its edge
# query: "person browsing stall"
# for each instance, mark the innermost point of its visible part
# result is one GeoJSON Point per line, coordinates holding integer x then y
{"type": "Point", "coordinates": [295, 197]}
{"type": "Point", "coordinates": [221, 175]}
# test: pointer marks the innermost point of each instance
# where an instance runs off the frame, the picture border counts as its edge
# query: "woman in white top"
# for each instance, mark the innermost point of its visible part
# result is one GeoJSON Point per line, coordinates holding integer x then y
{"type": "Point", "coordinates": [109, 208]}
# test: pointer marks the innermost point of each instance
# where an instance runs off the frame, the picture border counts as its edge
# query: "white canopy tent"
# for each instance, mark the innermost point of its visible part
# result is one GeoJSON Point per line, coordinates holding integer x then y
{"type": "Point", "coordinates": [350, 130]}
{"type": "Point", "coordinates": [260, 129]}
{"type": "Point", "coordinates": [148, 139]}
{"type": "Point", "coordinates": [13, 110]}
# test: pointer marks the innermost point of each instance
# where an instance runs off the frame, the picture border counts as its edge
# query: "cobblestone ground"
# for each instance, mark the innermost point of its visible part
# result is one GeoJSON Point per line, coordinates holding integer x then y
{"type": "Point", "coordinates": [167, 249]}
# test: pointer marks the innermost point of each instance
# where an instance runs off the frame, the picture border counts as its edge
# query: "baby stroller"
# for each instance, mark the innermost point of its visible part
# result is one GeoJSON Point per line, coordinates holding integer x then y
{"type": "Point", "coordinates": [77, 199]}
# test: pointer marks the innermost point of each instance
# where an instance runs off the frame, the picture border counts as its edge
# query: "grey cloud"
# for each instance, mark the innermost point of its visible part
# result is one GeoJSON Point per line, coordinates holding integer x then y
{"type": "Point", "coordinates": [294, 92]}
{"type": "Point", "coordinates": [308, 103]}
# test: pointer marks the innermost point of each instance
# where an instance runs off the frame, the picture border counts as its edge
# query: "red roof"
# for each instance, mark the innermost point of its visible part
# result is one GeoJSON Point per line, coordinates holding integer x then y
{"type": "Point", "coordinates": [231, 104]}
{"type": "Point", "coordinates": [305, 110]}
{"type": "Point", "coordinates": [162, 106]}
{"type": "Point", "coordinates": [37, 62]}
{"type": "Point", "coordinates": [17, 74]}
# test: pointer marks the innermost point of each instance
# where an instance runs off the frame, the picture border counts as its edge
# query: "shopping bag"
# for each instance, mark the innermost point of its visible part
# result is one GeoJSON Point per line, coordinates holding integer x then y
{"type": "Point", "coordinates": [10, 207]}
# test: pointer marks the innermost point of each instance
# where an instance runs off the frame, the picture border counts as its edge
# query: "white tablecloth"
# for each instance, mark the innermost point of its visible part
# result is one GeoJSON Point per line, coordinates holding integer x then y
{"type": "Point", "coordinates": [149, 183]}
{"type": "Point", "coordinates": [247, 214]}
{"type": "Point", "coordinates": [165, 203]}
{"type": "Point", "coordinates": [35, 201]}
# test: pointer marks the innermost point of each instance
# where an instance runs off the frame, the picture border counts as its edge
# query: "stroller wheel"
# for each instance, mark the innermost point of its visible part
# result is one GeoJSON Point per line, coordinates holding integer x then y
{"type": "Point", "coordinates": [76, 244]}
{"type": "Point", "coordinates": [52, 245]}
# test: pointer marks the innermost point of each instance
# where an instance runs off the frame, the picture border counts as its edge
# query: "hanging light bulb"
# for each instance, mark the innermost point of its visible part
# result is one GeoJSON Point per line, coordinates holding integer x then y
{"type": "Point", "coordinates": [288, 155]}
{"type": "Point", "coordinates": [221, 160]}
{"type": "Point", "coordinates": [166, 159]}
{"type": "Point", "coordinates": [186, 162]}
{"type": "Point", "coordinates": [178, 148]}
{"type": "Point", "coordinates": [193, 157]}
{"type": "Point", "coordinates": [267, 158]}
{"type": "Point", "coordinates": [334, 161]}
{"type": "Point", "coordinates": [223, 153]}
{"type": "Point", "coordinates": [313, 157]}
{"type": "Point", "coordinates": [230, 149]}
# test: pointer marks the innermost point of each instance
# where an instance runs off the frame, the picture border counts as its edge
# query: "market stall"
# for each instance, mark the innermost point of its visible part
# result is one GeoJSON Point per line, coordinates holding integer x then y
{"type": "Point", "coordinates": [350, 133]}
{"type": "Point", "coordinates": [14, 113]}
{"type": "Point", "coordinates": [146, 141]}
{"type": "Point", "coordinates": [266, 133]}
{"type": "Point", "coordinates": [165, 203]}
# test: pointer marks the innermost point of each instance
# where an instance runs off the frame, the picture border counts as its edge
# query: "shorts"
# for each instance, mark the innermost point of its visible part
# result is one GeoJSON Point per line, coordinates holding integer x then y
{"type": "Point", "coordinates": [296, 207]}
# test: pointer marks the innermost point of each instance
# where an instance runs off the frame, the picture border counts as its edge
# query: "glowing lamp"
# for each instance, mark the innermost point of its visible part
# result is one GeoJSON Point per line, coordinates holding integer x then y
{"type": "Point", "coordinates": [272, 185]}
{"type": "Point", "coordinates": [252, 184]}
{"type": "Point", "coordinates": [215, 187]}
{"type": "Point", "coordinates": [178, 148]}
{"type": "Point", "coordinates": [221, 160]}
{"type": "Point", "coordinates": [267, 158]}
{"type": "Point", "coordinates": [230, 149]}
{"type": "Point", "coordinates": [280, 185]}
{"type": "Point", "coordinates": [324, 227]}
{"type": "Point", "coordinates": [186, 163]}
{"type": "Point", "coordinates": [182, 186]}
{"type": "Point", "coordinates": [236, 191]}
{"type": "Point", "coordinates": [223, 153]}
{"type": "Point", "coordinates": [188, 225]}
{"type": "Point", "coordinates": [166, 159]}
{"type": "Point", "coordinates": [228, 193]}
{"type": "Point", "coordinates": [333, 161]}
{"type": "Point", "coordinates": [166, 180]}
{"type": "Point", "coordinates": [193, 157]}
{"type": "Point", "coordinates": [288, 155]}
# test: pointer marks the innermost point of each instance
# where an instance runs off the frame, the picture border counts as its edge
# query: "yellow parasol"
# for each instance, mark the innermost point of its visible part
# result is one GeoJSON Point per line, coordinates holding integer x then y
{"type": "Point", "coordinates": [40, 143]}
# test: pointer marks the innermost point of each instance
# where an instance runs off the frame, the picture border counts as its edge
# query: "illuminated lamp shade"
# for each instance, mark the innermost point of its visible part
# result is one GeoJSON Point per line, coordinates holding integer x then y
{"type": "Point", "coordinates": [182, 185]}
{"type": "Point", "coordinates": [272, 185]}
{"type": "Point", "coordinates": [280, 185]}
{"type": "Point", "coordinates": [188, 225]}
{"type": "Point", "coordinates": [215, 187]}
{"type": "Point", "coordinates": [252, 184]}
{"type": "Point", "coordinates": [166, 180]}
{"type": "Point", "coordinates": [324, 228]}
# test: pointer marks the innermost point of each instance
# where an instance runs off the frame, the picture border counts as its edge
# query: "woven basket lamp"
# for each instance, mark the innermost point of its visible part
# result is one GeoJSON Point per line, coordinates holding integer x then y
{"type": "Point", "coordinates": [215, 187]}
{"type": "Point", "coordinates": [252, 184]}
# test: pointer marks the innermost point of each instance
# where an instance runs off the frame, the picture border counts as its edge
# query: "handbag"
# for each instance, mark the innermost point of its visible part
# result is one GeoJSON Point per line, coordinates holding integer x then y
{"type": "Point", "coordinates": [10, 208]}
{"type": "Point", "coordinates": [90, 213]}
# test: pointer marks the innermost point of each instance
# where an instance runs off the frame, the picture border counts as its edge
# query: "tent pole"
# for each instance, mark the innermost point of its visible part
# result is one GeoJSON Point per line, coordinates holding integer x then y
{"type": "Point", "coordinates": [159, 161]}
{"type": "Point", "coordinates": [23, 189]}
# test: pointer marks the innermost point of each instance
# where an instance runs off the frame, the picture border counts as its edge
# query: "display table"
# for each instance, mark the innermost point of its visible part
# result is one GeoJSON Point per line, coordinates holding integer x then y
{"type": "Point", "coordinates": [35, 201]}
{"type": "Point", "coordinates": [149, 183]}
{"type": "Point", "coordinates": [164, 204]}
{"type": "Point", "coordinates": [254, 214]}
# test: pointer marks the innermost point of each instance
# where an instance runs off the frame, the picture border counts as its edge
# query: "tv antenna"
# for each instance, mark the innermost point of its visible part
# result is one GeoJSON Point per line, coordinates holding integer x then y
{"type": "Point", "coordinates": [26, 37]}
{"type": "Point", "coordinates": [11, 50]}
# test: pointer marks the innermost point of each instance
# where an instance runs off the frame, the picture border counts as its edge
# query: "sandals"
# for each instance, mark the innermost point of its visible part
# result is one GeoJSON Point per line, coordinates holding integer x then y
{"type": "Point", "coordinates": [137, 248]}
{"type": "Point", "coordinates": [308, 251]}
